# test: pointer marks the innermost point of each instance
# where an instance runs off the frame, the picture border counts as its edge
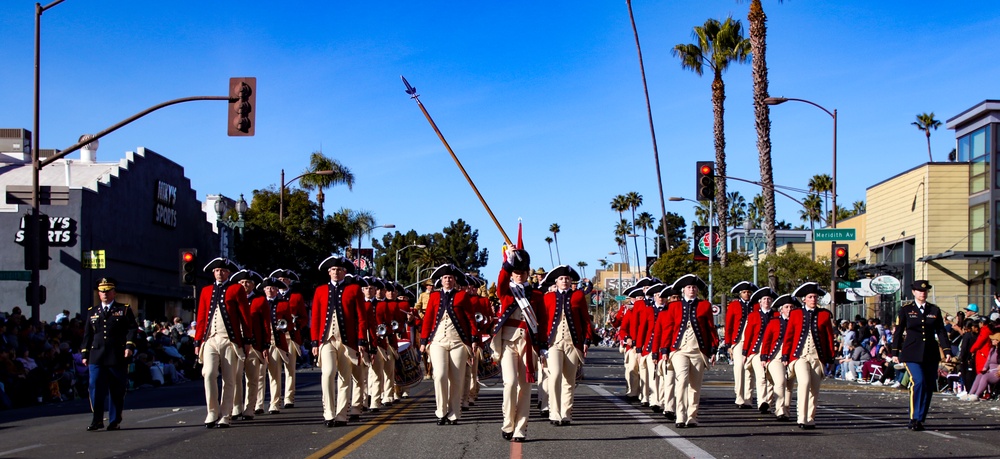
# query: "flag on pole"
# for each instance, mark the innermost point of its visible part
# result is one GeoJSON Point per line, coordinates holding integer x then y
{"type": "Point", "coordinates": [520, 242]}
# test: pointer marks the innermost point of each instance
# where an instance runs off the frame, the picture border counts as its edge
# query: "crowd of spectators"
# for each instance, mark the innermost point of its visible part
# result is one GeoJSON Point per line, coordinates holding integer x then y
{"type": "Point", "coordinates": [41, 362]}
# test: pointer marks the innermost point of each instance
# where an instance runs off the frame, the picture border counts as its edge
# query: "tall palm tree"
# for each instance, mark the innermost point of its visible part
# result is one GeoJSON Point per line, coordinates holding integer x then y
{"type": "Point", "coordinates": [737, 209]}
{"type": "Point", "coordinates": [583, 268]}
{"type": "Point", "coordinates": [554, 229]}
{"type": "Point", "coordinates": [859, 207]}
{"type": "Point", "coordinates": [925, 122]}
{"type": "Point", "coordinates": [718, 45]}
{"type": "Point", "coordinates": [812, 210]}
{"type": "Point", "coordinates": [762, 121]}
{"type": "Point", "coordinates": [645, 221]}
{"type": "Point", "coordinates": [822, 184]}
{"type": "Point", "coordinates": [755, 210]}
{"type": "Point", "coordinates": [359, 222]}
{"type": "Point", "coordinates": [702, 213]}
{"type": "Point", "coordinates": [548, 241]}
{"type": "Point", "coordinates": [621, 230]}
{"type": "Point", "coordinates": [634, 200]}
{"type": "Point", "coordinates": [319, 162]}
{"type": "Point", "coordinates": [619, 204]}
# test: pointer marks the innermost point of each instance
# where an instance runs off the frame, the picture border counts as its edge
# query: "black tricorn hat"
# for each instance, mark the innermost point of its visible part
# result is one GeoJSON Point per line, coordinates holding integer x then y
{"type": "Point", "coordinates": [336, 261]}
{"type": "Point", "coordinates": [743, 285]}
{"type": "Point", "coordinates": [247, 274]}
{"type": "Point", "coordinates": [272, 282]}
{"type": "Point", "coordinates": [634, 292]}
{"type": "Point", "coordinates": [786, 299]}
{"type": "Point", "coordinates": [223, 263]}
{"type": "Point", "coordinates": [656, 290]}
{"type": "Point", "coordinates": [520, 260]}
{"type": "Point", "coordinates": [559, 271]}
{"type": "Point", "coordinates": [645, 282]}
{"type": "Point", "coordinates": [807, 288]}
{"type": "Point", "coordinates": [370, 281]}
{"type": "Point", "coordinates": [690, 279]}
{"type": "Point", "coordinates": [285, 273]}
{"type": "Point", "coordinates": [447, 269]}
{"type": "Point", "coordinates": [761, 293]}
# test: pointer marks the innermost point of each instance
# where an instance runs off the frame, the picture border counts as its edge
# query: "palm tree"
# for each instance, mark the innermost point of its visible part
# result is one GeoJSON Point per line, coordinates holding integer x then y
{"type": "Point", "coordinates": [634, 201]}
{"type": "Point", "coordinates": [548, 241]}
{"type": "Point", "coordinates": [318, 162]}
{"type": "Point", "coordinates": [925, 122]}
{"type": "Point", "coordinates": [737, 209]}
{"type": "Point", "coordinates": [702, 213]}
{"type": "Point", "coordinates": [755, 210]}
{"type": "Point", "coordinates": [583, 268]}
{"type": "Point", "coordinates": [822, 183]}
{"type": "Point", "coordinates": [718, 45]}
{"type": "Point", "coordinates": [621, 229]}
{"type": "Point", "coordinates": [359, 222]}
{"type": "Point", "coordinates": [762, 121]}
{"type": "Point", "coordinates": [645, 221]}
{"type": "Point", "coordinates": [619, 204]}
{"type": "Point", "coordinates": [812, 210]}
{"type": "Point", "coordinates": [554, 229]}
{"type": "Point", "coordinates": [859, 207]}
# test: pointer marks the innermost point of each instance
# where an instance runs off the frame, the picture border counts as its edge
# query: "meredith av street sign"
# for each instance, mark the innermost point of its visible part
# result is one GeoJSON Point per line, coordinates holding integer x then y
{"type": "Point", "coordinates": [834, 234]}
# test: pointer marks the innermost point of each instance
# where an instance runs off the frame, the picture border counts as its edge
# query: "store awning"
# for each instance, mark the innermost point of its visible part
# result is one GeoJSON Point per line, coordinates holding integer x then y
{"type": "Point", "coordinates": [960, 255]}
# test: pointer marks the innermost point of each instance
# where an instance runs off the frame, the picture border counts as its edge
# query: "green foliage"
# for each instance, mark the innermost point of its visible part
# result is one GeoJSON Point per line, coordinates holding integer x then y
{"type": "Point", "coordinates": [458, 243]}
{"type": "Point", "coordinates": [677, 228]}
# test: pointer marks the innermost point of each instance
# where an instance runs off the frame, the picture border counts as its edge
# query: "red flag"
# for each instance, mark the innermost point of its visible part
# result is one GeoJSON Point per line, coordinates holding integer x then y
{"type": "Point", "coordinates": [520, 243]}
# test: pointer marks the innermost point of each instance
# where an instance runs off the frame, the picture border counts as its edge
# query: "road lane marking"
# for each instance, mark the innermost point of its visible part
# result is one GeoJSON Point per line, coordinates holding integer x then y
{"type": "Point", "coordinates": [12, 451]}
{"type": "Point", "coordinates": [677, 441]}
{"type": "Point", "coordinates": [164, 416]}
{"type": "Point", "coordinates": [515, 450]}
{"type": "Point", "coordinates": [882, 421]}
{"type": "Point", "coordinates": [361, 434]}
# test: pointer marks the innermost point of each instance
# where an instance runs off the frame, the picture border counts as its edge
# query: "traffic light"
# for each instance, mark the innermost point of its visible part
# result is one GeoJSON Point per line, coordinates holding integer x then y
{"type": "Point", "coordinates": [188, 258]}
{"type": "Point", "coordinates": [705, 181]}
{"type": "Point", "coordinates": [840, 261]}
{"type": "Point", "coordinates": [242, 99]}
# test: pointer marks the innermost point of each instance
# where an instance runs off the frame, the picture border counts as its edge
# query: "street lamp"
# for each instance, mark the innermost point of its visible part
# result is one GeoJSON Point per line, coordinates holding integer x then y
{"type": "Point", "coordinates": [395, 275]}
{"type": "Point", "coordinates": [711, 241]}
{"type": "Point", "coordinates": [281, 194]}
{"type": "Point", "coordinates": [752, 242]}
{"type": "Point", "coordinates": [221, 207]}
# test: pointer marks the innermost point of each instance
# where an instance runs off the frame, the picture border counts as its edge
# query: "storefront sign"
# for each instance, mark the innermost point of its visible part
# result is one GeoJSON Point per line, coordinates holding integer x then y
{"type": "Point", "coordinates": [166, 198]}
{"type": "Point", "coordinates": [61, 232]}
{"type": "Point", "coordinates": [885, 285]}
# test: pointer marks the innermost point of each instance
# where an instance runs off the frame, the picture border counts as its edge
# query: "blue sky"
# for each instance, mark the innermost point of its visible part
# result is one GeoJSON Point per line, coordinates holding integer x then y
{"type": "Point", "coordinates": [542, 101]}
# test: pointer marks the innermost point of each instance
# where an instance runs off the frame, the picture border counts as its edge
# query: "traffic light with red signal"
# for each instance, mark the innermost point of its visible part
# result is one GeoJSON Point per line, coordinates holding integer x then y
{"type": "Point", "coordinates": [705, 181]}
{"type": "Point", "coordinates": [188, 259]}
{"type": "Point", "coordinates": [840, 262]}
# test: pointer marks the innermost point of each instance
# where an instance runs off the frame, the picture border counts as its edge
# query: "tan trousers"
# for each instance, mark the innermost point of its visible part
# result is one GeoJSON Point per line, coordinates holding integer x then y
{"type": "Point", "coordinates": [808, 375]}
{"type": "Point", "coordinates": [254, 368]}
{"type": "Point", "coordinates": [516, 390]}
{"type": "Point", "coordinates": [643, 374]}
{"type": "Point", "coordinates": [376, 371]}
{"type": "Point", "coordinates": [449, 361]}
{"type": "Point", "coordinates": [666, 389]}
{"type": "Point", "coordinates": [563, 362]}
{"type": "Point", "coordinates": [631, 373]}
{"type": "Point", "coordinates": [359, 385]}
{"type": "Point", "coordinates": [542, 383]}
{"type": "Point", "coordinates": [239, 394]}
{"type": "Point", "coordinates": [389, 377]}
{"type": "Point", "coordinates": [741, 376]}
{"type": "Point", "coordinates": [290, 372]}
{"type": "Point", "coordinates": [780, 385]}
{"type": "Point", "coordinates": [471, 381]}
{"type": "Point", "coordinates": [219, 358]}
{"type": "Point", "coordinates": [689, 371]}
{"type": "Point", "coordinates": [275, 364]}
{"type": "Point", "coordinates": [765, 391]}
{"type": "Point", "coordinates": [651, 388]}
{"type": "Point", "coordinates": [335, 360]}
{"type": "Point", "coordinates": [261, 384]}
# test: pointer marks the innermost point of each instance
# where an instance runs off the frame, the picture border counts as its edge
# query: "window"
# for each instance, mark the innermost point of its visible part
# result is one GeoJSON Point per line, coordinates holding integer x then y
{"type": "Point", "coordinates": [974, 148]}
{"type": "Point", "coordinates": [978, 216]}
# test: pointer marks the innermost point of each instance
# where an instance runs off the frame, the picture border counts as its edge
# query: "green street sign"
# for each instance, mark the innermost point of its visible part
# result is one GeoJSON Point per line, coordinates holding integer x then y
{"type": "Point", "coordinates": [848, 284]}
{"type": "Point", "coordinates": [620, 297]}
{"type": "Point", "coordinates": [835, 234]}
{"type": "Point", "coordinates": [24, 276]}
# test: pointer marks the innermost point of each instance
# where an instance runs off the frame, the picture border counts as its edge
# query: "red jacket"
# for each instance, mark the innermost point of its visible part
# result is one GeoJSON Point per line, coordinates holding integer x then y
{"type": "Point", "coordinates": [626, 325]}
{"type": "Point", "coordinates": [508, 305]}
{"type": "Point", "coordinates": [236, 307]}
{"type": "Point", "coordinates": [579, 315]}
{"type": "Point", "coordinates": [297, 305]}
{"type": "Point", "coordinates": [981, 348]}
{"type": "Point", "coordinates": [703, 319]}
{"type": "Point", "coordinates": [260, 320]}
{"type": "Point", "coordinates": [464, 321]}
{"type": "Point", "coordinates": [794, 340]}
{"type": "Point", "coordinates": [734, 318]}
{"type": "Point", "coordinates": [648, 342]}
{"type": "Point", "coordinates": [753, 332]}
{"type": "Point", "coordinates": [774, 335]}
{"type": "Point", "coordinates": [352, 320]}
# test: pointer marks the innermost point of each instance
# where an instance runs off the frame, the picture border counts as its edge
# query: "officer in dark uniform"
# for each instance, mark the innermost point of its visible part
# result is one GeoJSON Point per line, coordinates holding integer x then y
{"type": "Point", "coordinates": [921, 349]}
{"type": "Point", "coordinates": [107, 347]}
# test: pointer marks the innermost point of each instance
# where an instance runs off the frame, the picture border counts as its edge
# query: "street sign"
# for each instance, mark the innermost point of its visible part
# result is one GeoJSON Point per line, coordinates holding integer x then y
{"type": "Point", "coordinates": [93, 259]}
{"type": "Point", "coordinates": [620, 297]}
{"type": "Point", "coordinates": [848, 284]}
{"type": "Point", "coordinates": [24, 276]}
{"type": "Point", "coordinates": [835, 234]}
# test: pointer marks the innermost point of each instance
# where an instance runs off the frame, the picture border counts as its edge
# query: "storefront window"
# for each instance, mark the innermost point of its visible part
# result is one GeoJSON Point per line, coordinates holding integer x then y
{"type": "Point", "coordinates": [977, 227]}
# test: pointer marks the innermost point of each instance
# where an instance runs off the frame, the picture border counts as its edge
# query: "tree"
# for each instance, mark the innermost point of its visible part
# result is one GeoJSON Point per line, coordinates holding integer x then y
{"type": "Point", "coordinates": [737, 209]}
{"type": "Point", "coordinates": [812, 210]}
{"type": "Point", "coordinates": [634, 200]}
{"type": "Point", "coordinates": [645, 222]}
{"type": "Point", "coordinates": [583, 268]}
{"type": "Point", "coordinates": [619, 204]}
{"type": "Point", "coordinates": [822, 184]}
{"type": "Point", "coordinates": [755, 210]}
{"type": "Point", "coordinates": [842, 214]}
{"type": "Point", "coordinates": [621, 229]}
{"type": "Point", "coordinates": [548, 241]}
{"type": "Point", "coordinates": [859, 207]}
{"type": "Point", "coordinates": [318, 162]}
{"type": "Point", "coordinates": [554, 229]}
{"type": "Point", "coordinates": [358, 223]}
{"type": "Point", "coordinates": [925, 122]}
{"type": "Point", "coordinates": [718, 45]}
{"type": "Point", "coordinates": [457, 243]}
{"type": "Point", "coordinates": [702, 213]}
{"type": "Point", "coordinates": [677, 228]}
{"type": "Point", "coordinates": [675, 263]}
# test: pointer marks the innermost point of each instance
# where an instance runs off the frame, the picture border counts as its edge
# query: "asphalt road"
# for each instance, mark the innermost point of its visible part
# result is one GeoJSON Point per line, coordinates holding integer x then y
{"type": "Point", "coordinates": [853, 421]}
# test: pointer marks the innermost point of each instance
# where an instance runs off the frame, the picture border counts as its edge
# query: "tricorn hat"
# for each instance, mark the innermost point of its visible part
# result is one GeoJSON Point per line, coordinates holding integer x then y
{"type": "Point", "coordinates": [519, 260]}
{"type": "Point", "coordinates": [223, 263]}
{"type": "Point", "coordinates": [656, 289]}
{"type": "Point", "coordinates": [645, 282]}
{"type": "Point", "coordinates": [447, 269]}
{"type": "Point", "coordinates": [761, 293]}
{"type": "Point", "coordinates": [248, 274]}
{"type": "Point", "coordinates": [559, 271]}
{"type": "Point", "coordinates": [743, 285]}
{"type": "Point", "coordinates": [371, 281]}
{"type": "Point", "coordinates": [336, 261]}
{"type": "Point", "coordinates": [807, 288]}
{"type": "Point", "coordinates": [287, 273]}
{"type": "Point", "coordinates": [786, 299]}
{"type": "Point", "coordinates": [690, 279]}
{"type": "Point", "coordinates": [272, 282]}
{"type": "Point", "coordinates": [634, 292]}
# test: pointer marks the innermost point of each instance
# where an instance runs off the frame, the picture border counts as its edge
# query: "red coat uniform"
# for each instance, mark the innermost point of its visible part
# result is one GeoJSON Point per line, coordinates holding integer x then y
{"type": "Point", "coordinates": [380, 314]}
{"type": "Point", "coordinates": [795, 339]}
{"type": "Point", "coordinates": [508, 305]}
{"type": "Point", "coordinates": [625, 325]}
{"type": "Point", "coordinates": [774, 336]}
{"type": "Point", "coordinates": [297, 309]}
{"type": "Point", "coordinates": [463, 321]}
{"type": "Point", "coordinates": [350, 315]}
{"type": "Point", "coordinates": [262, 320]}
{"type": "Point", "coordinates": [661, 345]}
{"type": "Point", "coordinates": [708, 338]}
{"type": "Point", "coordinates": [753, 332]}
{"type": "Point", "coordinates": [237, 309]}
{"type": "Point", "coordinates": [648, 342]}
{"type": "Point", "coordinates": [579, 317]}
{"type": "Point", "coordinates": [735, 320]}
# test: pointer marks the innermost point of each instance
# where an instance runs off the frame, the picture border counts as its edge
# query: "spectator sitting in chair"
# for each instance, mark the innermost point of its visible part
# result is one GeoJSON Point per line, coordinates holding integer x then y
{"type": "Point", "coordinates": [850, 364]}
{"type": "Point", "coordinates": [989, 374]}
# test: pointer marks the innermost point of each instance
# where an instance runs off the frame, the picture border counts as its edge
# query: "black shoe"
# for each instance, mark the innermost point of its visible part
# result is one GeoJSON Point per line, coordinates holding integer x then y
{"type": "Point", "coordinates": [465, 408]}
{"type": "Point", "coordinates": [289, 405]}
{"type": "Point", "coordinates": [918, 426]}
{"type": "Point", "coordinates": [222, 425]}
{"type": "Point", "coordinates": [744, 406]}
{"type": "Point", "coordinates": [442, 421]}
{"type": "Point", "coordinates": [545, 413]}
{"type": "Point", "coordinates": [657, 409]}
{"type": "Point", "coordinates": [94, 427]}
{"type": "Point", "coordinates": [802, 426]}
{"type": "Point", "coordinates": [813, 427]}
{"type": "Point", "coordinates": [453, 422]}
{"type": "Point", "coordinates": [518, 439]}
{"type": "Point", "coordinates": [691, 424]}
{"type": "Point", "coordinates": [390, 404]}
{"type": "Point", "coordinates": [115, 426]}
{"type": "Point", "coordinates": [764, 408]}
{"type": "Point", "coordinates": [354, 417]}
{"type": "Point", "coordinates": [210, 425]}
{"type": "Point", "coordinates": [910, 424]}
{"type": "Point", "coordinates": [555, 423]}
{"type": "Point", "coordinates": [373, 410]}
{"type": "Point", "coordinates": [258, 411]}
{"type": "Point", "coordinates": [329, 423]}
{"type": "Point", "coordinates": [645, 404]}
{"type": "Point", "coordinates": [783, 418]}
{"type": "Point", "coordinates": [670, 415]}
{"type": "Point", "coordinates": [679, 425]}
{"type": "Point", "coordinates": [564, 422]}
{"type": "Point", "coordinates": [273, 412]}
{"type": "Point", "coordinates": [507, 435]}
{"type": "Point", "coordinates": [339, 423]}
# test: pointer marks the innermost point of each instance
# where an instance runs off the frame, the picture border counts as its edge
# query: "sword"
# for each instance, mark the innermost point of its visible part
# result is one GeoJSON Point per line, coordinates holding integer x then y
{"type": "Point", "coordinates": [529, 313]}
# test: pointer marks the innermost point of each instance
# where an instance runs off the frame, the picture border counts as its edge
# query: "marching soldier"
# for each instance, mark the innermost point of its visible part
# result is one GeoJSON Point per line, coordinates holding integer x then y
{"type": "Point", "coordinates": [378, 319]}
{"type": "Point", "coordinates": [483, 318]}
{"type": "Point", "coordinates": [447, 338]}
{"type": "Point", "coordinates": [359, 369]}
{"type": "Point", "coordinates": [339, 334]}
{"type": "Point", "coordinates": [276, 316]}
{"type": "Point", "coordinates": [753, 337]}
{"type": "Point", "coordinates": [689, 339]}
{"type": "Point", "coordinates": [107, 347]}
{"type": "Point", "coordinates": [808, 348]}
{"type": "Point", "coordinates": [771, 353]}
{"type": "Point", "coordinates": [222, 338]}
{"type": "Point", "coordinates": [248, 371]}
{"type": "Point", "coordinates": [396, 325]}
{"type": "Point", "coordinates": [419, 311]}
{"type": "Point", "coordinates": [920, 350]}
{"type": "Point", "coordinates": [737, 313]}
{"type": "Point", "coordinates": [565, 338]}
{"type": "Point", "coordinates": [664, 368]}
{"type": "Point", "coordinates": [514, 337]}
{"type": "Point", "coordinates": [297, 307]}
{"type": "Point", "coordinates": [650, 354]}
{"type": "Point", "coordinates": [627, 338]}
{"type": "Point", "coordinates": [642, 306]}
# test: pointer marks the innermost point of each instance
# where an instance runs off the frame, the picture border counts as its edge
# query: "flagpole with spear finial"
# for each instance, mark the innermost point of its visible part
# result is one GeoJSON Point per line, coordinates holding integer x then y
{"type": "Point", "coordinates": [413, 95]}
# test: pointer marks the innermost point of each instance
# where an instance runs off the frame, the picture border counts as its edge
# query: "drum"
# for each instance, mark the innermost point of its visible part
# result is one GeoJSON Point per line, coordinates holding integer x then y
{"type": "Point", "coordinates": [409, 370]}
{"type": "Point", "coordinates": [488, 366]}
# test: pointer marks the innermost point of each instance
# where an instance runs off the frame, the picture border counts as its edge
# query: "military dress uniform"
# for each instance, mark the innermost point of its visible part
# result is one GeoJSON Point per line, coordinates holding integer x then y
{"type": "Point", "coordinates": [808, 347]}
{"type": "Point", "coordinates": [277, 348]}
{"type": "Point", "coordinates": [737, 314]}
{"type": "Point", "coordinates": [447, 337]}
{"type": "Point", "coordinates": [221, 332]}
{"type": "Point", "coordinates": [242, 371]}
{"type": "Point", "coordinates": [753, 338]}
{"type": "Point", "coordinates": [770, 356]}
{"type": "Point", "coordinates": [689, 339]}
{"type": "Point", "coordinates": [296, 322]}
{"type": "Point", "coordinates": [255, 368]}
{"type": "Point", "coordinates": [565, 338]}
{"type": "Point", "coordinates": [109, 331]}
{"type": "Point", "coordinates": [918, 340]}
{"type": "Point", "coordinates": [650, 353]}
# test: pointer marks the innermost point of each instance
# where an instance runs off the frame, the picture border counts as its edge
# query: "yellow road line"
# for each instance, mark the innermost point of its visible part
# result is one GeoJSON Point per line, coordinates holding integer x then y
{"type": "Point", "coordinates": [361, 434]}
